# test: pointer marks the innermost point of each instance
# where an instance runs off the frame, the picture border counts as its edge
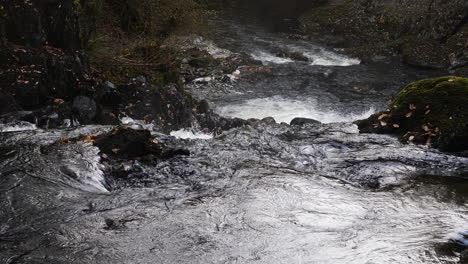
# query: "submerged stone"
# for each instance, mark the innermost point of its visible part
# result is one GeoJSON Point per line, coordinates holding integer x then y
{"type": "Point", "coordinates": [300, 121]}
{"type": "Point", "coordinates": [431, 111]}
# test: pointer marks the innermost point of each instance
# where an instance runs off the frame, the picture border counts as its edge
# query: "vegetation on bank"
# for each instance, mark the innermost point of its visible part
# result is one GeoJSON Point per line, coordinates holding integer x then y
{"type": "Point", "coordinates": [127, 38]}
{"type": "Point", "coordinates": [431, 111]}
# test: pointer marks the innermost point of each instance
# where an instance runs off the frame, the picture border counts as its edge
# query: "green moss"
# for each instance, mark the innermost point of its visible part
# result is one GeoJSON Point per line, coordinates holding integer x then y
{"type": "Point", "coordinates": [445, 97]}
{"type": "Point", "coordinates": [435, 109]}
{"type": "Point", "coordinates": [431, 111]}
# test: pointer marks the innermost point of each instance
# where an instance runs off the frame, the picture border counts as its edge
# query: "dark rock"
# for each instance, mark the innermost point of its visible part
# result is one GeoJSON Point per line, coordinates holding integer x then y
{"type": "Point", "coordinates": [168, 107]}
{"type": "Point", "coordinates": [84, 108]}
{"type": "Point", "coordinates": [107, 117]}
{"type": "Point", "coordinates": [300, 121]}
{"type": "Point", "coordinates": [203, 106]}
{"type": "Point", "coordinates": [108, 96]}
{"type": "Point", "coordinates": [432, 112]}
{"type": "Point", "coordinates": [425, 53]}
{"type": "Point", "coordinates": [110, 86]}
{"type": "Point", "coordinates": [429, 30]}
{"type": "Point", "coordinates": [283, 53]}
{"type": "Point", "coordinates": [269, 120]}
{"type": "Point", "coordinates": [464, 257]}
{"type": "Point", "coordinates": [51, 116]}
{"type": "Point", "coordinates": [127, 143]}
{"type": "Point", "coordinates": [141, 80]}
{"type": "Point", "coordinates": [112, 224]}
{"type": "Point", "coordinates": [7, 103]}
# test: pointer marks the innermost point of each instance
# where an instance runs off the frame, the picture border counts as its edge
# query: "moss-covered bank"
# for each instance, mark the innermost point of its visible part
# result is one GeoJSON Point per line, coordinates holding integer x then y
{"type": "Point", "coordinates": [432, 112]}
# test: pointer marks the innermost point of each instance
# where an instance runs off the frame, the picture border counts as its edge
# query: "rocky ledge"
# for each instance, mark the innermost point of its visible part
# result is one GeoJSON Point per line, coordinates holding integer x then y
{"type": "Point", "coordinates": [425, 33]}
{"type": "Point", "coordinates": [433, 112]}
{"type": "Point", "coordinates": [45, 77]}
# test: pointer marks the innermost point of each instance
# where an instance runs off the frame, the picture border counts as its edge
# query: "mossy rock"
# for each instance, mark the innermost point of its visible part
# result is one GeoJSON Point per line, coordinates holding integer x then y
{"type": "Point", "coordinates": [425, 53]}
{"type": "Point", "coordinates": [431, 111]}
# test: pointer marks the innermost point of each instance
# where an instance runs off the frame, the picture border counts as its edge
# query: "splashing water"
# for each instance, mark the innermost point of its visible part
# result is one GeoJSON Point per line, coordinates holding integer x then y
{"type": "Point", "coordinates": [189, 134]}
{"type": "Point", "coordinates": [284, 110]}
{"type": "Point", "coordinates": [267, 58]}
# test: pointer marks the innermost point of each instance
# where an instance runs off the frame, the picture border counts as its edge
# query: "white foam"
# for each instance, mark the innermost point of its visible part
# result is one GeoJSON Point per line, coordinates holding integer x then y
{"type": "Point", "coordinates": [327, 58]}
{"type": "Point", "coordinates": [189, 134]}
{"type": "Point", "coordinates": [17, 126]}
{"type": "Point", "coordinates": [211, 48]}
{"type": "Point", "coordinates": [284, 110]}
{"type": "Point", "coordinates": [267, 58]}
{"type": "Point", "coordinates": [136, 124]}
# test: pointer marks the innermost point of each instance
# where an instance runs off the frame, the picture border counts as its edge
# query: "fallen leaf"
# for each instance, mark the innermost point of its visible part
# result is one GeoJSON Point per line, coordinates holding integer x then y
{"type": "Point", "coordinates": [412, 107]}
{"type": "Point", "coordinates": [396, 126]}
{"type": "Point", "coordinates": [427, 112]}
{"type": "Point", "coordinates": [382, 123]}
{"type": "Point", "coordinates": [115, 150]}
{"type": "Point", "coordinates": [411, 138]}
{"type": "Point", "coordinates": [87, 139]}
{"type": "Point", "coordinates": [382, 116]}
{"type": "Point", "coordinates": [59, 101]}
{"type": "Point", "coordinates": [64, 140]}
{"type": "Point", "coordinates": [408, 115]}
{"type": "Point", "coordinates": [425, 128]}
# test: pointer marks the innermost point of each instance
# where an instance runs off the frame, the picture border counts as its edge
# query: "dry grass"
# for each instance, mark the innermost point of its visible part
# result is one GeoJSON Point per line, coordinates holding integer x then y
{"type": "Point", "coordinates": [124, 37]}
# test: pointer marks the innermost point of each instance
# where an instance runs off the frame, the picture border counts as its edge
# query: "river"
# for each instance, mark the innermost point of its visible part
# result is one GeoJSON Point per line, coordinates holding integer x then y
{"type": "Point", "coordinates": [266, 193]}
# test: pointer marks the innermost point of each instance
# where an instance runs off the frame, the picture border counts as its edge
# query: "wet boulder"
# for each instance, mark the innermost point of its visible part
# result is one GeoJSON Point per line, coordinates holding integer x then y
{"type": "Point", "coordinates": [426, 54]}
{"type": "Point", "coordinates": [464, 257]}
{"type": "Point", "coordinates": [269, 120]}
{"type": "Point", "coordinates": [300, 121]}
{"type": "Point", "coordinates": [128, 143]}
{"type": "Point", "coordinates": [7, 103]}
{"type": "Point", "coordinates": [125, 142]}
{"type": "Point", "coordinates": [431, 111]}
{"type": "Point", "coordinates": [294, 55]}
{"type": "Point", "coordinates": [84, 108]}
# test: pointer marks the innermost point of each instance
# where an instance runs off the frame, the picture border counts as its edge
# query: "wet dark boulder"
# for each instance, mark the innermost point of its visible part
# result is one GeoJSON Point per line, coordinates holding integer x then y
{"type": "Point", "coordinates": [107, 95]}
{"type": "Point", "coordinates": [55, 115]}
{"type": "Point", "coordinates": [269, 120]}
{"type": "Point", "coordinates": [433, 112]}
{"type": "Point", "coordinates": [84, 108]}
{"type": "Point", "coordinates": [294, 55]}
{"type": "Point", "coordinates": [425, 53]}
{"type": "Point", "coordinates": [124, 142]}
{"type": "Point", "coordinates": [168, 107]}
{"type": "Point", "coordinates": [300, 121]}
{"type": "Point", "coordinates": [7, 103]}
{"type": "Point", "coordinates": [127, 143]}
{"type": "Point", "coordinates": [464, 257]}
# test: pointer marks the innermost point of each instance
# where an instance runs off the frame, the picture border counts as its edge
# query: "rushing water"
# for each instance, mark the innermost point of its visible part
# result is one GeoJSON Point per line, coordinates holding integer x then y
{"type": "Point", "coordinates": [267, 193]}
